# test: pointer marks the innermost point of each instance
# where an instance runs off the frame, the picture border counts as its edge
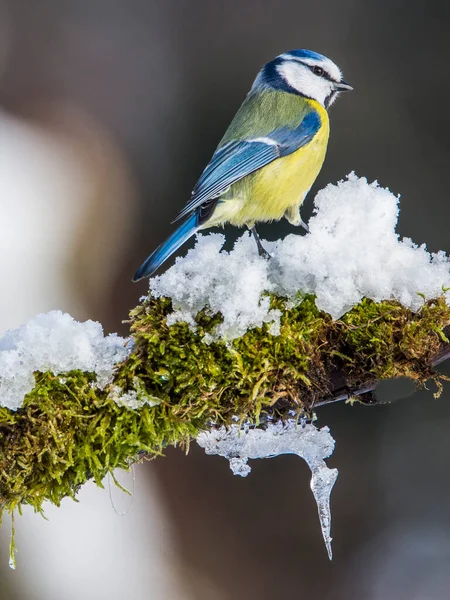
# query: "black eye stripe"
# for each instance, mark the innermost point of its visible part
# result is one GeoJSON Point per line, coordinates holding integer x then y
{"type": "Point", "coordinates": [320, 71]}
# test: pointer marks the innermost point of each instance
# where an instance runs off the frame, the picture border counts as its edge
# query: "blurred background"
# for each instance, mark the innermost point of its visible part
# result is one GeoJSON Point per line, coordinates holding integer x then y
{"type": "Point", "coordinates": [109, 110]}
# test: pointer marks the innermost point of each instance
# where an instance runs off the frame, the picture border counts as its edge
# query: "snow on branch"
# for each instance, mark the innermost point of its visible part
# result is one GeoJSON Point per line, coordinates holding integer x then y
{"type": "Point", "coordinates": [352, 252]}
{"type": "Point", "coordinates": [57, 343]}
{"type": "Point", "coordinates": [226, 338]}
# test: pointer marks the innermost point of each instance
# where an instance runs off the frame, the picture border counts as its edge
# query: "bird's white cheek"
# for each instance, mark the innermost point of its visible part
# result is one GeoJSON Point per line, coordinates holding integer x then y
{"type": "Point", "coordinates": [304, 81]}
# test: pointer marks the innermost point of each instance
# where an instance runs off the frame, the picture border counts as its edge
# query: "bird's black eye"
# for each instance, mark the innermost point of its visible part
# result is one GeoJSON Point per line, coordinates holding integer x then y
{"type": "Point", "coordinates": [318, 71]}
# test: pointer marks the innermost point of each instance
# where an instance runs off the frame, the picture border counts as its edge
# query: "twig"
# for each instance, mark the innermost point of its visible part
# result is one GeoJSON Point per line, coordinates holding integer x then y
{"type": "Point", "coordinates": [343, 392]}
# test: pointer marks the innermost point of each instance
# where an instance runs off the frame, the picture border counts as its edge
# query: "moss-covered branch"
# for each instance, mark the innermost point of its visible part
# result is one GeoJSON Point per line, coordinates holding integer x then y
{"type": "Point", "coordinates": [69, 430]}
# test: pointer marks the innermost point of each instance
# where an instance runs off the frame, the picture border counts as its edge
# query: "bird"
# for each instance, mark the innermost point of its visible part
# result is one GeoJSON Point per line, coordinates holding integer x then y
{"type": "Point", "coordinates": [270, 155]}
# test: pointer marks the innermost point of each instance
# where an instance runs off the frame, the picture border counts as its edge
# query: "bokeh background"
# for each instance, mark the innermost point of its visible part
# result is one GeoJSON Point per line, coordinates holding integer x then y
{"type": "Point", "coordinates": [109, 110]}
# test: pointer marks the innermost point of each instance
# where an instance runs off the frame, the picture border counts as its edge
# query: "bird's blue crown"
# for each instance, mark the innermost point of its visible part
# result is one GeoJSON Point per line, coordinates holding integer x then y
{"type": "Point", "coordinates": [303, 54]}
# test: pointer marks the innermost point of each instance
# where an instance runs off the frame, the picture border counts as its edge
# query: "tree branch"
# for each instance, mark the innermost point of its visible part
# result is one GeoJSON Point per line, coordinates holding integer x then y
{"type": "Point", "coordinates": [343, 393]}
{"type": "Point", "coordinates": [177, 382]}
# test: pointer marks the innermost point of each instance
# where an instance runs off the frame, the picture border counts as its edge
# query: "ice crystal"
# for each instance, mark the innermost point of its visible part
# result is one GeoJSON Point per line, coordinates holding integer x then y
{"type": "Point", "coordinates": [312, 444]}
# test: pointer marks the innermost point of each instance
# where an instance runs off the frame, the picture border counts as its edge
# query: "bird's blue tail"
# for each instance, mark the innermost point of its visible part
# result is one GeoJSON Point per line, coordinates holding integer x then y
{"type": "Point", "coordinates": [171, 245]}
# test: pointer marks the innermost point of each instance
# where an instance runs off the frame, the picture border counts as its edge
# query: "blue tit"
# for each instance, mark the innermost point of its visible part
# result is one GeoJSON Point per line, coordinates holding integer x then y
{"type": "Point", "coordinates": [269, 156]}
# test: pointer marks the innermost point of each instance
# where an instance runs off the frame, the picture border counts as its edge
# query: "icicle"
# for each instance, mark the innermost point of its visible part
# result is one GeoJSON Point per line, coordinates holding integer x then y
{"type": "Point", "coordinates": [308, 442]}
{"type": "Point", "coordinates": [12, 544]}
{"type": "Point", "coordinates": [129, 493]}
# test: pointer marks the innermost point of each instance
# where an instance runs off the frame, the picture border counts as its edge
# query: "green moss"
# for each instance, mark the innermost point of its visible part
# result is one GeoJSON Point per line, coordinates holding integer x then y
{"type": "Point", "coordinates": [69, 431]}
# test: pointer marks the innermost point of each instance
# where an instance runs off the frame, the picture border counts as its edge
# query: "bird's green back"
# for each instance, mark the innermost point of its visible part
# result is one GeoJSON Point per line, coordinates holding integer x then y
{"type": "Point", "coordinates": [263, 112]}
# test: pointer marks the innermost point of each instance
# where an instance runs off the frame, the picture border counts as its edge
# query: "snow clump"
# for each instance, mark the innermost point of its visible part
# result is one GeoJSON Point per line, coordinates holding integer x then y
{"type": "Point", "coordinates": [57, 343]}
{"type": "Point", "coordinates": [351, 252]}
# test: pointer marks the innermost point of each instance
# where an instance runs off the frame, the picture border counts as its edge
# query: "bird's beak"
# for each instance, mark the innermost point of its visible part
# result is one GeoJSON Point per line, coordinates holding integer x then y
{"type": "Point", "coordinates": [342, 86]}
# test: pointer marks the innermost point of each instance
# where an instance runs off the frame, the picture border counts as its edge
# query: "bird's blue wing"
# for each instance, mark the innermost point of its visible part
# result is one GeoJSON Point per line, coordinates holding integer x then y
{"type": "Point", "coordinates": [237, 159]}
{"type": "Point", "coordinates": [229, 164]}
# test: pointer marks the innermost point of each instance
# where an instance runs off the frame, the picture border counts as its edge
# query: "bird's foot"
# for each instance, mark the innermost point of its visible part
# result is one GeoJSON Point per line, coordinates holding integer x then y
{"type": "Point", "coordinates": [304, 225]}
{"type": "Point", "coordinates": [261, 250]}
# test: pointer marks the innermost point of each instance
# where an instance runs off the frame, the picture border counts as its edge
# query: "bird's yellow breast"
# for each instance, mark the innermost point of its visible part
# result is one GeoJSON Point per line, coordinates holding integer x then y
{"type": "Point", "coordinates": [279, 187]}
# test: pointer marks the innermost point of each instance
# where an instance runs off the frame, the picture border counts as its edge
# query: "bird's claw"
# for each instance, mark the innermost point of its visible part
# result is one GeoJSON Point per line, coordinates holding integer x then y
{"type": "Point", "coordinates": [305, 226]}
